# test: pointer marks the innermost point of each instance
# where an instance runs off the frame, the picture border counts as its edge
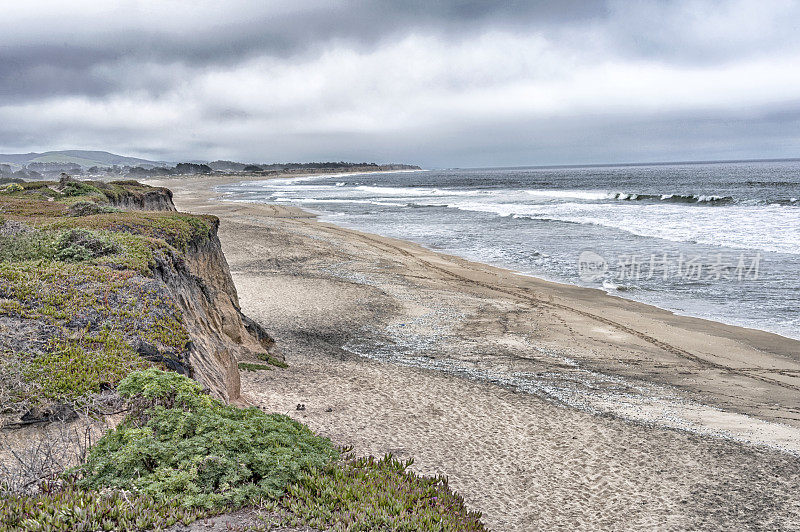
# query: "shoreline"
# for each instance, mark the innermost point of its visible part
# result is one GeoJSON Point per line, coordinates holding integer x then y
{"type": "Point", "coordinates": [629, 296]}
{"type": "Point", "coordinates": [540, 278]}
{"type": "Point", "coordinates": [397, 348]}
{"type": "Point", "coordinates": [590, 303]}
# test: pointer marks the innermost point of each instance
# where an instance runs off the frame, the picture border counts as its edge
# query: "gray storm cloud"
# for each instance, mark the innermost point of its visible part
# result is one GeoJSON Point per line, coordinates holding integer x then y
{"type": "Point", "coordinates": [451, 83]}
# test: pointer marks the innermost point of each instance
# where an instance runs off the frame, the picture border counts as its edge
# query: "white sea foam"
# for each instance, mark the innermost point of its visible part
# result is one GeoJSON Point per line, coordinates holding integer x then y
{"type": "Point", "coordinates": [766, 228]}
{"type": "Point", "coordinates": [674, 217]}
{"type": "Point", "coordinates": [570, 194]}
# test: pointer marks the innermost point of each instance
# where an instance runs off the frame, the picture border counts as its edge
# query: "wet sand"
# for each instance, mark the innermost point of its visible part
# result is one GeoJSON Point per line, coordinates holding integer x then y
{"type": "Point", "coordinates": [548, 406]}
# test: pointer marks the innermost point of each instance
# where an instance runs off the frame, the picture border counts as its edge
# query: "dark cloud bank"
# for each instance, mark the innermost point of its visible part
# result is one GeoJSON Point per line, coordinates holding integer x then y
{"type": "Point", "coordinates": [450, 83]}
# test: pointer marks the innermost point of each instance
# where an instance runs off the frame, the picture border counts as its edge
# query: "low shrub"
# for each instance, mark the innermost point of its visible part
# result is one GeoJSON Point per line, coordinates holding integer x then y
{"type": "Point", "coordinates": [38, 185]}
{"type": "Point", "coordinates": [31, 245]}
{"type": "Point", "coordinates": [79, 188]}
{"type": "Point", "coordinates": [71, 245]}
{"type": "Point", "coordinates": [176, 229]}
{"type": "Point", "coordinates": [181, 454]}
{"type": "Point", "coordinates": [88, 208]}
{"type": "Point", "coordinates": [80, 245]}
{"type": "Point", "coordinates": [180, 444]}
{"type": "Point", "coordinates": [76, 328]}
{"type": "Point", "coordinates": [119, 250]}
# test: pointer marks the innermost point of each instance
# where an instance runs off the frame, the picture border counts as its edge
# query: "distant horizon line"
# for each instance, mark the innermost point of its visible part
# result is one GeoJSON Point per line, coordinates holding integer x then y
{"type": "Point", "coordinates": [607, 165]}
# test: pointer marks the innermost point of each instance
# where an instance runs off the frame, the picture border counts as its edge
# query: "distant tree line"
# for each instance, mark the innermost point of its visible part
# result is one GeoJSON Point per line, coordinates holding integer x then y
{"type": "Point", "coordinates": [231, 166]}
{"type": "Point", "coordinates": [191, 168]}
{"type": "Point", "coordinates": [39, 170]}
{"type": "Point", "coordinates": [8, 173]}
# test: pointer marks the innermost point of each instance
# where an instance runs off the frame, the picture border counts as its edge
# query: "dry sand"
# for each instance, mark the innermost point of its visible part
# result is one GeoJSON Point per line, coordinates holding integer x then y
{"type": "Point", "coordinates": [548, 406]}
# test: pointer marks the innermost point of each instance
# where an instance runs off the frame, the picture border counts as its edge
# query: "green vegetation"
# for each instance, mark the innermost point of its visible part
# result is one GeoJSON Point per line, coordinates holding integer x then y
{"type": "Point", "coordinates": [80, 188]}
{"type": "Point", "coordinates": [185, 446]}
{"type": "Point", "coordinates": [174, 229]}
{"type": "Point", "coordinates": [370, 494]}
{"type": "Point", "coordinates": [75, 278]}
{"type": "Point", "coordinates": [266, 357]}
{"type": "Point", "coordinates": [69, 190]}
{"type": "Point", "coordinates": [72, 197]}
{"type": "Point", "coordinates": [249, 366]}
{"type": "Point", "coordinates": [180, 445]}
{"type": "Point", "coordinates": [71, 368]}
{"type": "Point", "coordinates": [70, 508]}
{"type": "Point", "coordinates": [88, 208]}
{"type": "Point", "coordinates": [11, 188]}
{"type": "Point", "coordinates": [75, 245]}
{"type": "Point", "coordinates": [80, 321]}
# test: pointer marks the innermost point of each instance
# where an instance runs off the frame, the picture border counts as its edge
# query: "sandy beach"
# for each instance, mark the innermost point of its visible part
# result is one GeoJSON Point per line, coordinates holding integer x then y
{"type": "Point", "coordinates": [548, 406]}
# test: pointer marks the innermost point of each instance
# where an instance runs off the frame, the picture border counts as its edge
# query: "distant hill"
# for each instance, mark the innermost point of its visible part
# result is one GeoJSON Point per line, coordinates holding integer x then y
{"type": "Point", "coordinates": [84, 158]}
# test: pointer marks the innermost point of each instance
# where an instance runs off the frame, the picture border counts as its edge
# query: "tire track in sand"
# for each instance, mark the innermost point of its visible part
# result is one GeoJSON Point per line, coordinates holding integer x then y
{"type": "Point", "coordinates": [522, 294]}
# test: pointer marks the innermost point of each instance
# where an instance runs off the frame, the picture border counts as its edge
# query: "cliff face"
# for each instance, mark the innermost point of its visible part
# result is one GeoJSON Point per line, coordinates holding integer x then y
{"type": "Point", "coordinates": [89, 293]}
{"type": "Point", "coordinates": [201, 285]}
{"type": "Point", "coordinates": [159, 199]}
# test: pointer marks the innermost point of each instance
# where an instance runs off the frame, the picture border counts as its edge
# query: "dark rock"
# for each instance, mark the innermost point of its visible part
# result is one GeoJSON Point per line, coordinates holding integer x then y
{"type": "Point", "coordinates": [171, 361]}
{"type": "Point", "coordinates": [57, 412]}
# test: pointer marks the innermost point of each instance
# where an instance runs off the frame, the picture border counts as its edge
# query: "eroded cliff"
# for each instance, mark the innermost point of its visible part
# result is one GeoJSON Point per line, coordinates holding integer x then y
{"type": "Point", "coordinates": [200, 283]}
{"type": "Point", "coordinates": [100, 279]}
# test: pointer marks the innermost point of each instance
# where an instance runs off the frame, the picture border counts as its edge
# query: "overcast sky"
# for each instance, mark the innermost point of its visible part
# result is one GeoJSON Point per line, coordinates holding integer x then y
{"type": "Point", "coordinates": [447, 83]}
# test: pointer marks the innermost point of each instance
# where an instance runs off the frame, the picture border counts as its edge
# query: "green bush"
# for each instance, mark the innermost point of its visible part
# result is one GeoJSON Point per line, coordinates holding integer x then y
{"type": "Point", "coordinates": [33, 245]}
{"type": "Point", "coordinates": [175, 228]}
{"type": "Point", "coordinates": [89, 208]}
{"type": "Point", "coordinates": [180, 444]}
{"type": "Point", "coordinates": [119, 250]}
{"type": "Point", "coordinates": [84, 321]}
{"type": "Point", "coordinates": [80, 188]}
{"type": "Point", "coordinates": [79, 245]}
{"type": "Point", "coordinates": [72, 245]}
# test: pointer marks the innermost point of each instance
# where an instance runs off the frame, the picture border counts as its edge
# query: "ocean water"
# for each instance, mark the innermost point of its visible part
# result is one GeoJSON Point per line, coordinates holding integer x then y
{"type": "Point", "coordinates": [712, 240]}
